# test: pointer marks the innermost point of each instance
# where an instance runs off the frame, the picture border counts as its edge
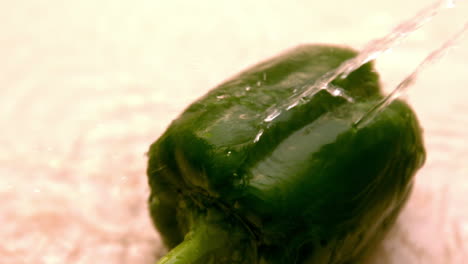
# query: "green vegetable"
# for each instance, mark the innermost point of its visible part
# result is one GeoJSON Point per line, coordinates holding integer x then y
{"type": "Point", "coordinates": [313, 189]}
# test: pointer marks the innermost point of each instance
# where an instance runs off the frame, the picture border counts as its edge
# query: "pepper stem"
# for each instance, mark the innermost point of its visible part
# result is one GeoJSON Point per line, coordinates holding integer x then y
{"type": "Point", "coordinates": [213, 242]}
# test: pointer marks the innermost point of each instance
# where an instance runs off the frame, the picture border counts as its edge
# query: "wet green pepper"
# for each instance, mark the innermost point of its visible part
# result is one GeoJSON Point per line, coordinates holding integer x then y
{"type": "Point", "coordinates": [313, 188]}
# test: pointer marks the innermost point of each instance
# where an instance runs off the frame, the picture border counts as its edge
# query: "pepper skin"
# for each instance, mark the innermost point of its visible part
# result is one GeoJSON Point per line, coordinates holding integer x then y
{"type": "Point", "coordinates": [313, 189]}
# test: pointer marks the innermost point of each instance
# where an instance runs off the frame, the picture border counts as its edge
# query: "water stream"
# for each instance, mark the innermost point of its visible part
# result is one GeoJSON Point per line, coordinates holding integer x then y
{"type": "Point", "coordinates": [401, 88]}
{"type": "Point", "coordinates": [371, 51]}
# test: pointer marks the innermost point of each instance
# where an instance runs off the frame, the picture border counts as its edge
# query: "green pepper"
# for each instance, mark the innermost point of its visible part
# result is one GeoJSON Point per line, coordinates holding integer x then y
{"type": "Point", "coordinates": [312, 188]}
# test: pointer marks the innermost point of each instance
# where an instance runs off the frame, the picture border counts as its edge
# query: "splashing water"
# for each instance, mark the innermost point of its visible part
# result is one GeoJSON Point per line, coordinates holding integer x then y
{"type": "Point", "coordinates": [432, 58]}
{"type": "Point", "coordinates": [371, 51]}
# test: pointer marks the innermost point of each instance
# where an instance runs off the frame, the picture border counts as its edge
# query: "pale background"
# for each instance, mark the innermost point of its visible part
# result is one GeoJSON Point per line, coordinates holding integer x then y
{"type": "Point", "coordinates": [86, 86]}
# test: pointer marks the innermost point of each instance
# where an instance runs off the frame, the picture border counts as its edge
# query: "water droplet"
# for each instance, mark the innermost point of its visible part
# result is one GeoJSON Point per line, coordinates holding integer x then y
{"type": "Point", "coordinates": [247, 88]}
{"type": "Point", "coordinates": [272, 115]}
{"type": "Point", "coordinates": [258, 136]}
{"type": "Point", "coordinates": [336, 92]}
{"type": "Point", "coordinates": [220, 97]}
{"type": "Point", "coordinates": [292, 105]}
{"type": "Point", "coordinates": [229, 153]}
